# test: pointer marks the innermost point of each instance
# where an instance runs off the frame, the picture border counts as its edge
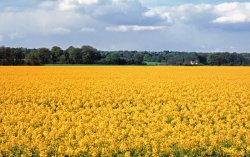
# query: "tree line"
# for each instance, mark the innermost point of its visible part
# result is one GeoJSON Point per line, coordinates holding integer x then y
{"type": "Point", "coordinates": [90, 55]}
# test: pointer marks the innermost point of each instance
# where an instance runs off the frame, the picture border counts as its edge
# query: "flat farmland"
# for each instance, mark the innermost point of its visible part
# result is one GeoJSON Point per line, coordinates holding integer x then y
{"type": "Point", "coordinates": [124, 111]}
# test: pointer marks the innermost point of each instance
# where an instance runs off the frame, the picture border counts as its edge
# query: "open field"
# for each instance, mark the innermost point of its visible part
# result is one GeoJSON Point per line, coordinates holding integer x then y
{"type": "Point", "coordinates": [127, 111]}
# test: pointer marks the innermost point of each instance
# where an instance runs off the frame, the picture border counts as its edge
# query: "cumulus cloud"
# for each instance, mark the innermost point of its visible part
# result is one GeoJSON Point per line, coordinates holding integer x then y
{"type": "Point", "coordinates": [182, 13]}
{"type": "Point", "coordinates": [117, 12]}
{"type": "Point", "coordinates": [124, 28]}
{"type": "Point", "coordinates": [224, 13]}
{"type": "Point", "coordinates": [69, 5]}
{"type": "Point", "coordinates": [232, 13]}
{"type": "Point", "coordinates": [234, 18]}
{"type": "Point", "coordinates": [226, 7]}
{"type": "Point", "coordinates": [37, 22]}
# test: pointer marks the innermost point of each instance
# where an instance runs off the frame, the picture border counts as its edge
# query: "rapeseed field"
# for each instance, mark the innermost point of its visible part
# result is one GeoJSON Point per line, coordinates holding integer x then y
{"type": "Point", "coordinates": [124, 111]}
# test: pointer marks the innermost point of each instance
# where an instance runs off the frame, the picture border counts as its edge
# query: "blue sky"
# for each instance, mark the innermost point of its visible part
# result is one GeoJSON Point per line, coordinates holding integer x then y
{"type": "Point", "coordinates": [152, 25]}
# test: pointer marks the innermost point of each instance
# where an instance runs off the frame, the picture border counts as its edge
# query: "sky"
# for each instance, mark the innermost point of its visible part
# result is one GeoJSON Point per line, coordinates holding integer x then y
{"type": "Point", "coordinates": [142, 25]}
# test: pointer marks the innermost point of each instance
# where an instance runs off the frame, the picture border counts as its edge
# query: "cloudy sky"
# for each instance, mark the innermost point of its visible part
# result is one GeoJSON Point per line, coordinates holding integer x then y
{"type": "Point", "coordinates": [154, 25]}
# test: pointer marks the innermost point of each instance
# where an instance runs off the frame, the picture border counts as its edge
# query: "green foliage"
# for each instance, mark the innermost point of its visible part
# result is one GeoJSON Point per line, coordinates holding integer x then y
{"type": "Point", "coordinates": [225, 59]}
{"type": "Point", "coordinates": [152, 63]}
{"type": "Point", "coordinates": [57, 55]}
{"type": "Point", "coordinates": [138, 58]}
{"type": "Point", "coordinates": [74, 55]}
{"type": "Point", "coordinates": [33, 58]}
{"type": "Point", "coordinates": [11, 56]}
{"type": "Point", "coordinates": [89, 55]}
{"type": "Point", "coordinates": [44, 55]}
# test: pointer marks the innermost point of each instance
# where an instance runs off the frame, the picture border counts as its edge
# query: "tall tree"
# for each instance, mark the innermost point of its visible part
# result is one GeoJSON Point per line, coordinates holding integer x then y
{"type": "Point", "coordinates": [33, 58]}
{"type": "Point", "coordinates": [112, 58]}
{"type": "Point", "coordinates": [44, 55]}
{"type": "Point", "coordinates": [56, 53]}
{"type": "Point", "coordinates": [75, 55]}
{"type": "Point", "coordinates": [6, 56]}
{"type": "Point", "coordinates": [90, 55]}
{"type": "Point", "coordinates": [138, 58]}
{"type": "Point", "coordinates": [18, 56]}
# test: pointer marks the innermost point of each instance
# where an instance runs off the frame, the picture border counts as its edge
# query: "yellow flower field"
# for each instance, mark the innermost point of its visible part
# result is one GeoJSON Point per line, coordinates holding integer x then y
{"type": "Point", "coordinates": [124, 111]}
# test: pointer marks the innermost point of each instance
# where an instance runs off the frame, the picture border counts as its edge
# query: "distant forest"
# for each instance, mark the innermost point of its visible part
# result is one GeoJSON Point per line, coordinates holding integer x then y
{"type": "Point", "coordinates": [90, 55]}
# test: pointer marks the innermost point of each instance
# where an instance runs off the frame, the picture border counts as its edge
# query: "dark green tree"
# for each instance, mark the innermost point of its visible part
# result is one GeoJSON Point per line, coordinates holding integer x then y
{"type": "Point", "coordinates": [75, 55]}
{"type": "Point", "coordinates": [138, 58]}
{"type": "Point", "coordinates": [33, 58]}
{"type": "Point", "coordinates": [44, 55]}
{"type": "Point", "coordinates": [56, 53]}
{"type": "Point", "coordinates": [202, 58]}
{"type": "Point", "coordinates": [112, 58]}
{"type": "Point", "coordinates": [7, 56]}
{"type": "Point", "coordinates": [147, 57]}
{"type": "Point", "coordinates": [18, 56]}
{"type": "Point", "coordinates": [90, 55]}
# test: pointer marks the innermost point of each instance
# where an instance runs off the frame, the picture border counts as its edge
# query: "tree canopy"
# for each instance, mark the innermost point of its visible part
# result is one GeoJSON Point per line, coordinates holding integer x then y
{"type": "Point", "coordinates": [90, 55]}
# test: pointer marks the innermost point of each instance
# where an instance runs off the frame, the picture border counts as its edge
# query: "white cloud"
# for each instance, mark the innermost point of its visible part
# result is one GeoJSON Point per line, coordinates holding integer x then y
{"type": "Point", "coordinates": [87, 29]}
{"type": "Point", "coordinates": [224, 13]}
{"type": "Point", "coordinates": [38, 22]}
{"type": "Point", "coordinates": [232, 13]}
{"type": "Point", "coordinates": [183, 13]}
{"type": "Point", "coordinates": [234, 18]}
{"type": "Point", "coordinates": [226, 7]}
{"type": "Point", "coordinates": [87, 2]}
{"type": "Point", "coordinates": [163, 12]}
{"type": "Point", "coordinates": [124, 28]}
{"type": "Point", "coordinates": [60, 30]}
{"type": "Point", "coordinates": [114, 12]}
{"type": "Point", "coordinates": [69, 5]}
